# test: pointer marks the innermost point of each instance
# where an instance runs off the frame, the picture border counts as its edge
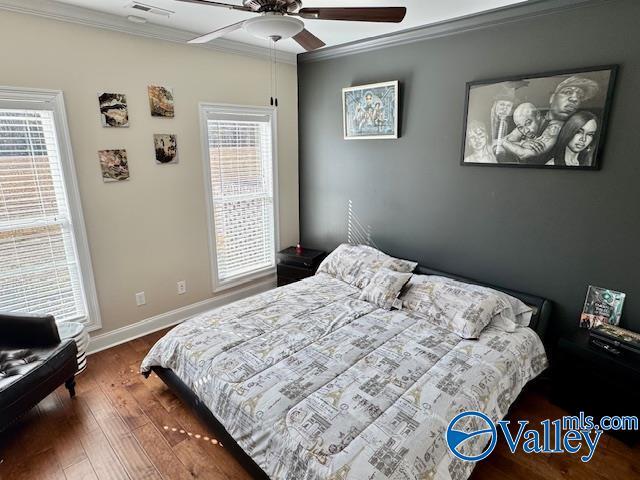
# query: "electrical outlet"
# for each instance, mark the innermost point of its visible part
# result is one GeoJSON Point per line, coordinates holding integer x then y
{"type": "Point", "coordinates": [182, 287]}
{"type": "Point", "coordinates": [140, 299]}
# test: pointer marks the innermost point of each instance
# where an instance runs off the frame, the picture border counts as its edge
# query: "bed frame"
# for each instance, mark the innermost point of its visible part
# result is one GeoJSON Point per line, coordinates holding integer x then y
{"type": "Point", "coordinates": [539, 323]}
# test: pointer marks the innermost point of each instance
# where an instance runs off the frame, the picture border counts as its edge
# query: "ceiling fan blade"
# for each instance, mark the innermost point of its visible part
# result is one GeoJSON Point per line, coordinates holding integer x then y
{"type": "Point", "coordinates": [308, 40]}
{"type": "Point", "coordinates": [356, 14]}
{"type": "Point", "coordinates": [217, 33]}
{"type": "Point", "coordinates": [218, 4]}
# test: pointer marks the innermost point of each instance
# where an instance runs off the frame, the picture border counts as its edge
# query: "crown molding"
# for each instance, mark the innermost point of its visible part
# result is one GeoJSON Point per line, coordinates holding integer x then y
{"type": "Point", "coordinates": [91, 18]}
{"type": "Point", "coordinates": [489, 18]}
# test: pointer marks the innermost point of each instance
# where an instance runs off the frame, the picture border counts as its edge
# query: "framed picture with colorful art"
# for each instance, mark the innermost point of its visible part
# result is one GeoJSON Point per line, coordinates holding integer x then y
{"type": "Point", "coordinates": [370, 111]}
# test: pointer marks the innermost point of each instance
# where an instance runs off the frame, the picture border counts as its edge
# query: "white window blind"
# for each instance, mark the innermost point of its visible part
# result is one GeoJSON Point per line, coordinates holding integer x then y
{"type": "Point", "coordinates": [39, 266]}
{"type": "Point", "coordinates": [240, 166]}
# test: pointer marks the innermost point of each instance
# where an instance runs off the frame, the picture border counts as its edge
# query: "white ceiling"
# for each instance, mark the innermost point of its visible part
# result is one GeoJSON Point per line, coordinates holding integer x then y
{"type": "Point", "coordinates": [203, 19]}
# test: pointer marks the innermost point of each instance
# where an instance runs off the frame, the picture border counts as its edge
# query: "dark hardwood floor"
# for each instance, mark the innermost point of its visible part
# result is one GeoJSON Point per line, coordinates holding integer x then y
{"type": "Point", "coordinates": [121, 426]}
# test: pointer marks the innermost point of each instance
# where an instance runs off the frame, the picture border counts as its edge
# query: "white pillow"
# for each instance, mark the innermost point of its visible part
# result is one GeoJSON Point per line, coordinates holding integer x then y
{"type": "Point", "coordinates": [384, 287]}
{"type": "Point", "coordinates": [508, 312]}
{"type": "Point", "coordinates": [357, 264]}
{"type": "Point", "coordinates": [462, 308]}
{"type": "Point", "coordinates": [513, 314]}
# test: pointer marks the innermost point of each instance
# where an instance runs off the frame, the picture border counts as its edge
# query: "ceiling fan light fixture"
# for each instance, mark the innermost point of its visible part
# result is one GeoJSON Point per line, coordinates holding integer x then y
{"type": "Point", "coordinates": [273, 26]}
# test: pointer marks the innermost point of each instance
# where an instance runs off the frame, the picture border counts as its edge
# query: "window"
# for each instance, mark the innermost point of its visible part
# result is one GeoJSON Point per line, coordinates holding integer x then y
{"type": "Point", "coordinates": [44, 260]}
{"type": "Point", "coordinates": [239, 165]}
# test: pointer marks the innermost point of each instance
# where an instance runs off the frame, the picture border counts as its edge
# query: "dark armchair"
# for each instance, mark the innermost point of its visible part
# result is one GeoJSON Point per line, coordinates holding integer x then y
{"type": "Point", "coordinates": [33, 363]}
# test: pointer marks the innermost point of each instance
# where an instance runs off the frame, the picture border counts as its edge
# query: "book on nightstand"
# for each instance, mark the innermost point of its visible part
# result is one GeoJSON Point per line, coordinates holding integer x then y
{"type": "Point", "coordinates": [602, 306]}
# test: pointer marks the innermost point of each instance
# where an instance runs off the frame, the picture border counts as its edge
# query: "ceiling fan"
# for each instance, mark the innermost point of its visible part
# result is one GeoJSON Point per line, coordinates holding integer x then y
{"type": "Point", "coordinates": [276, 21]}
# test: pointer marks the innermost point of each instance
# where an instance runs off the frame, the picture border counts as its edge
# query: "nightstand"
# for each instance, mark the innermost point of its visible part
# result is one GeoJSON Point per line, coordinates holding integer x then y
{"type": "Point", "coordinates": [586, 378]}
{"type": "Point", "coordinates": [294, 266]}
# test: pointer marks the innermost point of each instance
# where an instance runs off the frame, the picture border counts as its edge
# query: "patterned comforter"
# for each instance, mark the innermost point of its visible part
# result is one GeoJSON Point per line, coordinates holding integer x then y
{"type": "Point", "coordinates": [315, 384]}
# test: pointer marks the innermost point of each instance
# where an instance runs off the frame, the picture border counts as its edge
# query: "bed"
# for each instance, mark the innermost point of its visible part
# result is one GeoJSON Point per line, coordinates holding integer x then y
{"type": "Point", "coordinates": [307, 381]}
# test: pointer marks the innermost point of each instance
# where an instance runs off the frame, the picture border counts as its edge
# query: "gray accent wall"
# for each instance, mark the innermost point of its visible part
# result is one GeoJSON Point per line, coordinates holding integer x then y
{"type": "Point", "coordinates": [546, 232]}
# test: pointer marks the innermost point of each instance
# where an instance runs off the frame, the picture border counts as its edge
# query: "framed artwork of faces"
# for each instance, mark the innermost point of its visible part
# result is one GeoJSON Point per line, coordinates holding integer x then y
{"type": "Point", "coordinates": [547, 120]}
{"type": "Point", "coordinates": [370, 111]}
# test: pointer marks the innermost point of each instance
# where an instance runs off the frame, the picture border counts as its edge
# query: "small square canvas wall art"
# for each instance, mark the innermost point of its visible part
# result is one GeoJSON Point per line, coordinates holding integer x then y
{"type": "Point", "coordinates": [113, 109]}
{"type": "Point", "coordinates": [166, 147]}
{"type": "Point", "coordinates": [161, 101]}
{"type": "Point", "coordinates": [370, 111]}
{"type": "Point", "coordinates": [114, 165]}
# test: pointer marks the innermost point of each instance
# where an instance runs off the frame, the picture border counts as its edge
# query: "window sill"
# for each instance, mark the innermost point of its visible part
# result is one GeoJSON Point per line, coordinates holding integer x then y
{"type": "Point", "coordinates": [244, 279]}
{"type": "Point", "coordinates": [91, 326]}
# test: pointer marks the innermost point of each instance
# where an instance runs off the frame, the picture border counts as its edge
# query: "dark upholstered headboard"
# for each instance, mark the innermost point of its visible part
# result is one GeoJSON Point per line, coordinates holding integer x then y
{"type": "Point", "coordinates": [541, 306]}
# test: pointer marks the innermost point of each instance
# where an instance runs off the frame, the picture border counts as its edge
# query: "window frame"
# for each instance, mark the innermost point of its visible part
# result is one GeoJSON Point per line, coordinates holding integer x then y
{"type": "Point", "coordinates": [222, 108]}
{"type": "Point", "coordinates": [53, 100]}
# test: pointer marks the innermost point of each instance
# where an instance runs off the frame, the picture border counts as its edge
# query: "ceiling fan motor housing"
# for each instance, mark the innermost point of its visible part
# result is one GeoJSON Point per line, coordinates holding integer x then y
{"type": "Point", "coordinates": [274, 26]}
{"type": "Point", "coordinates": [280, 6]}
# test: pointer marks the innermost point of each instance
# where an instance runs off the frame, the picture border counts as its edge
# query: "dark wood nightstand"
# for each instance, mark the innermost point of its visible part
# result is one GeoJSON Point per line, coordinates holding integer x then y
{"type": "Point", "coordinates": [294, 266]}
{"type": "Point", "coordinates": [586, 378]}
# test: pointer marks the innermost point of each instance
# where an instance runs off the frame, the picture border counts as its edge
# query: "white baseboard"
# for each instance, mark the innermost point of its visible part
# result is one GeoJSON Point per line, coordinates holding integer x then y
{"type": "Point", "coordinates": [153, 324]}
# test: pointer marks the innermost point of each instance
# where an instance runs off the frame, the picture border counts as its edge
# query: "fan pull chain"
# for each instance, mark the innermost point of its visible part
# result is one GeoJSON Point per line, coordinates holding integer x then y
{"type": "Point", "coordinates": [273, 62]}
{"type": "Point", "coordinates": [271, 69]}
{"type": "Point", "coordinates": [275, 66]}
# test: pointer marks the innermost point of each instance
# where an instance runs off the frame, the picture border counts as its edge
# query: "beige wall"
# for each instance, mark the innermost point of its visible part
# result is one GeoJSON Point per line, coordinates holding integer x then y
{"type": "Point", "coordinates": [147, 233]}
